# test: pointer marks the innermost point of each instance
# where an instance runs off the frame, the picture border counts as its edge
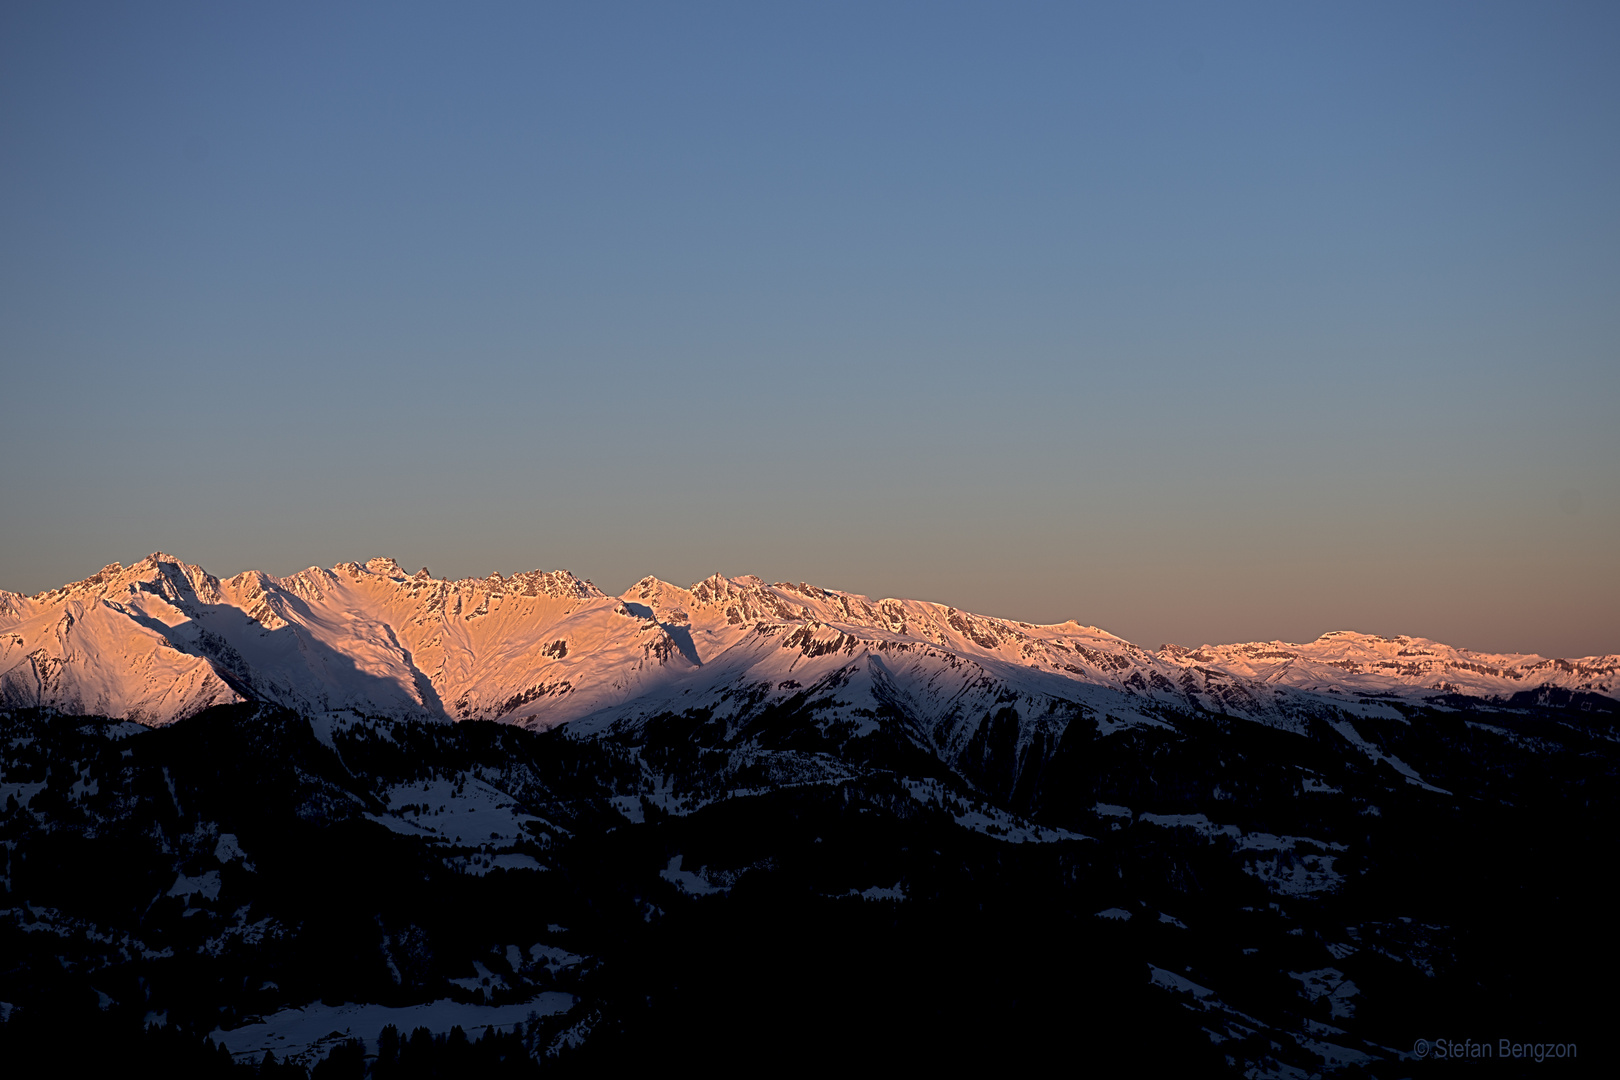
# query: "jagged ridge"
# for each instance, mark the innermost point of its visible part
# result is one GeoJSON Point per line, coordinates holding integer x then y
{"type": "Point", "coordinates": [164, 639]}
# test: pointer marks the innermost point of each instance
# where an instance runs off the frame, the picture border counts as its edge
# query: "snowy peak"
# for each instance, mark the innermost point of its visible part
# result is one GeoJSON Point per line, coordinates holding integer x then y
{"type": "Point", "coordinates": [1367, 662]}
{"type": "Point", "coordinates": [163, 639]}
{"type": "Point", "coordinates": [356, 636]}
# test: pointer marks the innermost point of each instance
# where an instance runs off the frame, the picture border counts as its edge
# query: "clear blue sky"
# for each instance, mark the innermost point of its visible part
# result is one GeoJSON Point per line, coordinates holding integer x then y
{"type": "Point", "coordinates": [1201, 322]}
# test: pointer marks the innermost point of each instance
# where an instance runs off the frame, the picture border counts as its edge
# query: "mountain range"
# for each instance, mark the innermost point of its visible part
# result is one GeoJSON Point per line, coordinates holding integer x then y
{"type": "Point", "coordinates": [164, 639]}
{"type": "Point", "coordinates": [741, 817]}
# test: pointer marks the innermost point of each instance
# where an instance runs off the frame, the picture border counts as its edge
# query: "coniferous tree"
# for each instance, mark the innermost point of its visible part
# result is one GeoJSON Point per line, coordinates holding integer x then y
{"type": "Point", "coordinates": [346, 1061]}
{"type": "Point", "coordinates": [386, 1066]}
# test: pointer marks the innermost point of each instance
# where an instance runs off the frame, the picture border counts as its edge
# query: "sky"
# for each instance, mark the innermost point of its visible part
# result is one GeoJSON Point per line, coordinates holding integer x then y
{"type": "Point", "coordinates": [1196, 322]}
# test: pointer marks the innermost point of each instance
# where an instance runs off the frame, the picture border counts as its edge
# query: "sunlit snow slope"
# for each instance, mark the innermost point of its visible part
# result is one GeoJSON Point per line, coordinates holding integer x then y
{"type": "Point", "coordinates": [163, 639]}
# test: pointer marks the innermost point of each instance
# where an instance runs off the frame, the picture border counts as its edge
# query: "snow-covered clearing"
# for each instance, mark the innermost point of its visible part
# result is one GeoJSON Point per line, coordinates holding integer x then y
{"type": "Point", "coordinates": [306, 1035]}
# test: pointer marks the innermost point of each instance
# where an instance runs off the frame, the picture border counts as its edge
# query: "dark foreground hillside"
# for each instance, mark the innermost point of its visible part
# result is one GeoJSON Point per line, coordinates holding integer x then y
{"type": "Point", "coordinates": [1214, 897]}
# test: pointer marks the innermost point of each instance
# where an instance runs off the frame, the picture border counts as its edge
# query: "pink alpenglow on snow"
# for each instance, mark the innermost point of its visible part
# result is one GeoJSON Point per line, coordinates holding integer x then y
{"type": "Point", "coordinates": [164, 639]}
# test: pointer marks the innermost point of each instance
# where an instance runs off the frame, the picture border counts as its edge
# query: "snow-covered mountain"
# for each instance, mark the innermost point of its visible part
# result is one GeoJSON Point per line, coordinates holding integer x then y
{"type": "Point", "coordinates": [164, 639]}
{"type": "Point", "coordinates": [1273, 858]}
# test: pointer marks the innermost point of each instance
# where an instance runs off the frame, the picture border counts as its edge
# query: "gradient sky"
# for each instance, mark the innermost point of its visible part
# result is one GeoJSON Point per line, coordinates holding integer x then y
{"type": "Point", "coordinates": [1200, 323]}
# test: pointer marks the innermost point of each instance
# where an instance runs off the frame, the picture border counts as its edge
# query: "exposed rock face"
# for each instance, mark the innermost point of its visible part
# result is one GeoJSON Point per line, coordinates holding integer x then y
{"type": "Point", "coordinates": [164, 639]}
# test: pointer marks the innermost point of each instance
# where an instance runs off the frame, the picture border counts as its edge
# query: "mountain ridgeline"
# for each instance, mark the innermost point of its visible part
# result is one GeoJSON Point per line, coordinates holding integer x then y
{"type": "Point", "coordinates": [163, 640]}
{"type": "Point", "coordinates": [741, 821]}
